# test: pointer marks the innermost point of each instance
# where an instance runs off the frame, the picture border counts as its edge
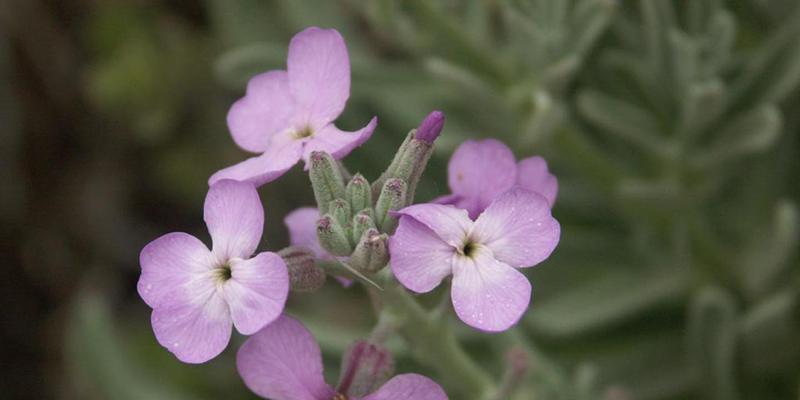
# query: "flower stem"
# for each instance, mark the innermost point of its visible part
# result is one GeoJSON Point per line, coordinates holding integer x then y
{"type": "Point", "coordinates": [434, 343]}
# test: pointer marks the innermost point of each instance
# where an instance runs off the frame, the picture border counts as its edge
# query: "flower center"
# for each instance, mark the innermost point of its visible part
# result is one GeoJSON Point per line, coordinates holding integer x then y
{"type": "Point", "coordinates": [303, 132]}
{"type": "Point", "coordinates": [223, 272]}
{"type": "Point", "coordinates": [469, 249]}
{"type": "Point", "coordinates": [339, 396]}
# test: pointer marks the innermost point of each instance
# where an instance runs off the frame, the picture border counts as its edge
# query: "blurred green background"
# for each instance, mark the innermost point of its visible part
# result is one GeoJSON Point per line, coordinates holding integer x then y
{"type": "Point", "coordinates": [672, 126]}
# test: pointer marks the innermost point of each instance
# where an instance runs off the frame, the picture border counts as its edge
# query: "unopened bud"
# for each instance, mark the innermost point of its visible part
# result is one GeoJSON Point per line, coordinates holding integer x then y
{"type": "Point", "coordinates": [340, 210]}
{"type": "Point", "coordinates": [332, 236]}
{"type": "Point", "coordinates": [392, 198]}
{"type": "Point", "coordinates": [430, 127]}
{"type": "Point", "coordinates": [326, 180]}
{"type": "Point", "coordinates": [371, 253]}
{"type": "Point", "coordinates": [358, 193]}
{"type": "Point", "coordinates": [361, 222]}
{"type": "Point", "coordinates": [365, 368]}
{"type": "Point", "coordinates": [304, 274]}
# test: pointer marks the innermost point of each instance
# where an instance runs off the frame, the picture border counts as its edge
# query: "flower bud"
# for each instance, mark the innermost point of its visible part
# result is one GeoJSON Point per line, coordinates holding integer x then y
{"type": "Point", "coordinates": [340, 210]}
{"type": "Point", "coordinates": [371, 253]}
{"type": "Point", "coordinates": [365, 368]}
{"type": "Point", "coordinates": [326, 180]}
{"type": "Point", "coordinates": [412, 157]}
{"type": "Point", "coordinates": [392, 198]}
{"type": "Point", "coordinates": [304, 274]}
{"type": "Point", "coordinates": [430, 127]}
{"type": "Point", "coordinates": [358, 193]}
{"type": "Point", "coordinates": [332, 236]}
{"type": "Point", "coordinates": [361, 222]}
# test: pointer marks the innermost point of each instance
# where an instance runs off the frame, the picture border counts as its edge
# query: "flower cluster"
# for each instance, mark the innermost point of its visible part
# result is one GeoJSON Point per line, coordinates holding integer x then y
{"type": "Point", "coordinates": [497, 220]}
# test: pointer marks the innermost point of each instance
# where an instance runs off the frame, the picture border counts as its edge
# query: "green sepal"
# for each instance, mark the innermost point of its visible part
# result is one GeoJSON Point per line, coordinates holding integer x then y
{"type": "Point", "coordinates": [362, 221]}
{"type": "Point", "coordinates": [326, 180]}
{"type": "Point", "coordinates": [371, 253]}
{"type": "Point", "coordinates": [358, 193]}
{"type": "Point", "coordinates": [332, 236]}
{"type": "Point", "coordinates": [392, 198]}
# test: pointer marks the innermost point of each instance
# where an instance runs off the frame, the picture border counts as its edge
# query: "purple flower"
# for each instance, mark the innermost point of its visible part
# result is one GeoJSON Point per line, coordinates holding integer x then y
{"type": "Point", "coordinates": [286, 115]}
{"type": "Point", "coordinates": [196, 294]}
{"type": "Point", "coordinates": [433, 241]}
{"type": "Point", "coordinates": [481, 170]}
{"type": "Point", "coordinates": [283, 362]}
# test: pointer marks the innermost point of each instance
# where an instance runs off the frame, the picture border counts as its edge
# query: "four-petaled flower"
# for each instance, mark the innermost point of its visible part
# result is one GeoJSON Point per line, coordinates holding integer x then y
{"type": "Point", "coordinates": [433, 241]}
{"type": "Point", "coordinates": [283, 362]}
{"type": "Point", "coordinates": [286, 115]}
{"type": "Point", "coordinates": [196, 294]}
{"type": "Point", "coordinates": [481, 170]}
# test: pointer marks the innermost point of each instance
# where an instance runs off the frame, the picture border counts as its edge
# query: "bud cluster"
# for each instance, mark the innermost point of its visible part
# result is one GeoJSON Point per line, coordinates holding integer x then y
{"type": "Point", "coordinates": [357, 217]}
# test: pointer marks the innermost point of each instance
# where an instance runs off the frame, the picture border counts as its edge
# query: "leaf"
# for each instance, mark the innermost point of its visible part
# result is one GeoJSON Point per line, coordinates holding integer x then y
{"type": "Point", "coordinates": [712, 340]}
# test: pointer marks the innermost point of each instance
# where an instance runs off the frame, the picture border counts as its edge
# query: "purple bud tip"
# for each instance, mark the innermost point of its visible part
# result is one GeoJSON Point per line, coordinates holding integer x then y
{"type": "Point", "coordinates": [430, 127]}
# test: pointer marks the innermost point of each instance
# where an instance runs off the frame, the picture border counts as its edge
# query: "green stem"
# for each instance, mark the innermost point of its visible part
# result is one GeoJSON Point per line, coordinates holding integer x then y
{"type": "Point", "coordinates": [434, 343]}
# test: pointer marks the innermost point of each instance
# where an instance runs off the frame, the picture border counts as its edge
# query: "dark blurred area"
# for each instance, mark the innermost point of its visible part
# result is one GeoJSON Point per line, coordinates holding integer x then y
{"type": "Point", "coordinates": [672, 127]}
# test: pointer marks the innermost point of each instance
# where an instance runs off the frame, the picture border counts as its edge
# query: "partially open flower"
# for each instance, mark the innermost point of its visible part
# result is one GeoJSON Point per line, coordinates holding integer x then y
{"type": "Point", "coordinates": [283, 362]}
{"type": "Point", "coordinates": [196, 294]}
{"type": "Point", "coordinates": [481, 170]}
{"type": "Point", "coordinates": [433, 241]}
{"type": "Point", "coordinates": [286, 115]}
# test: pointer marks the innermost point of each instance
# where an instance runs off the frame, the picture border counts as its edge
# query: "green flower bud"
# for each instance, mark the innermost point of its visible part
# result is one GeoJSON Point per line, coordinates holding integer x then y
{"type": "Point", "coordinates": [326, 180]}
{"type": "Point", "coordinates": [332, 236]}
{"type": "Point", "coordinates": [371, 253]}
{"type": "Point", "coordinates": [392, 198]}
{"type": "Point", "coordinates": [358, 193]}
{"type": "Point", "coordinates": [304, 274]}
{"type": "Point", "coordinates": [361, 223]}
{"type": "Point", "coordinates": [340, 210]}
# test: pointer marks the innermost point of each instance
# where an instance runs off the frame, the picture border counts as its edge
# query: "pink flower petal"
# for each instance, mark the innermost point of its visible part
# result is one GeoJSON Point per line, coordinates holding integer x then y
{"type": "Point", "coordinates": [283, 362]}
{"type": "Point", "coordinates": [532, 174]}
{"type": "Point", "coordinates": [449, 223]}
{"type": "Point", "coordinates": [480, 171]}
{"type": "Point", "coordinates": [409, 386]}
{"type": "Point", "coordinates": [257, 291]}
{"type": "Point", "coordinates": [264, 168]}
{"type": "Point", "coordinates": [302, 223]}
{"type": "Point", "coordinates": [336, 142]}
{"type": "Point", "coordinates": [420, 259]}
{"type": "Point", "coordinates": [169, 262]}
{"type": "Point", "coordinates": [518, 228]}
{"type": "Point", "coordinates": [265, 111]}
{"type": "Point", "coordinates": [235, 219]}
{"type": "Point", "coordinates": [193, 322]}
{"type": "Point", "coordinates": [319, 74]}
{"type": "Point", "coordinates": [488, 294]}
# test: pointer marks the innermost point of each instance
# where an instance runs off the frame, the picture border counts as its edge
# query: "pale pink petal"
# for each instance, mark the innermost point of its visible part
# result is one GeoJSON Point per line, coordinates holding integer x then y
{"type": "Point", "coordinates": [409, 386]}
{"type": "Point", "coordinates": [479, 171]}
{"type": "Point", "coordinates": [264, 168]}
{"type": "Point", "coordinates": [449, 223]}
{"type": "Point", "coordinates": [420, 259]}
{"type": "Point", "coordinates": [302, 225]}
{"type": "Point", "coordinates": [265, 110]}
{"type": "Point", "coordinates": [319, 74]}
{"type": "Point", "coordinates": [171, 261]}
{"type": "Point", "coordinates": [257, 291]}
{"type": "Point", "coordinates": [235, 219]}
{"type": "Point", "coordinates": [532, 174]}
{"type": "Point", "coordinates": [336, 142]}
{"type": "Point", "coordinates": [488, 294]}
{"type": "Point", "coordinates": [518, 228]}
{"type": "Point", "coordinates": [193, 321]}
{"type": "Point", "coordinates": [283, 362]}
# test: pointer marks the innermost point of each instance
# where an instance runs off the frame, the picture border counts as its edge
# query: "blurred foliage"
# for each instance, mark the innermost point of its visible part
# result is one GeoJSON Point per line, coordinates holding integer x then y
{"type": "Point", "coordinates": [672, 125]}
